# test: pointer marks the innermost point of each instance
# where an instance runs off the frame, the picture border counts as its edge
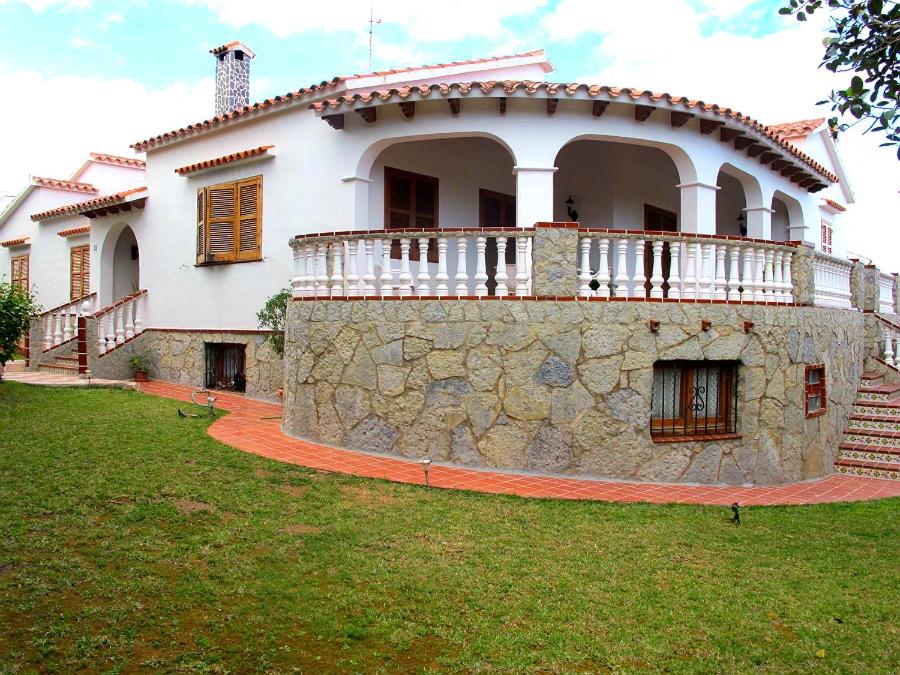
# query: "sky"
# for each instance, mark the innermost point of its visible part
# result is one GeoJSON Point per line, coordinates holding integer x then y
{"type": "Point", "coordinates": [97, 75]}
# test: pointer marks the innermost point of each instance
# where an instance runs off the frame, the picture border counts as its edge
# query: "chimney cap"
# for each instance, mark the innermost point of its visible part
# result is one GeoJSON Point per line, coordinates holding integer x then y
{"type": "Point", "coordinates": [234, 45]}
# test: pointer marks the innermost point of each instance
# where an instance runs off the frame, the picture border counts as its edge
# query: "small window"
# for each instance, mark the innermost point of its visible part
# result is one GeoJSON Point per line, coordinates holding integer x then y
{"type": "Point", "coordinates": [827, 231]}
{"type": "Point", "coordinates": [693, 399]}
{"type": "Point", "coordinates": [815, 390]}
{"type": "Point", "coordinates": [410, 200]}
{"type": "Point", "coordinates": [79, 272]}
{"type": "Point", "coordinates": [20, 272]}
{"type": "Point", "coordinates": [229, 222]}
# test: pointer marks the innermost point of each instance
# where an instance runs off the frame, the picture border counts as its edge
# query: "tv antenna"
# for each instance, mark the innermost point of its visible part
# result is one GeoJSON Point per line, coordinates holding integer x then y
{"type": "Point", "coordinates": [372, 23]}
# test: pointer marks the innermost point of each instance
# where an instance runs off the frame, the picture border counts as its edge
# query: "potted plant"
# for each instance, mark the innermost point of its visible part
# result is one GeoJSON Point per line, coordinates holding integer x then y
{"type": "Point", "coordinates": [140, 364]}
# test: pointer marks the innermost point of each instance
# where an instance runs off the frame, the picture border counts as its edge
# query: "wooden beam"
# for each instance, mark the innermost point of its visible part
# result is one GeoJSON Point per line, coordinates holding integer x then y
{"type": "Point", "coordinates": [551, 105]}
{"type": "Point", "coordinates": [779, 164]}
{"type": "Point", "coordinates": [817, 187]}
{"type": "Point", "coordinates": [599, 108]}
{"type": "Point", "coordinates": [768, 157]}
{"type": "Point", "coordinates": [755, 150]}
{"type": "Point", "coordinates": [726, 134]}
{"type": "Point", "coordinates": [502, 101]}
{"type": "Point", "coordinates": [709, 126]}
{"type": "Point", "coordinates": [408, 108]}
{"type": "Point", "coordinates": [335, 121]}
{"type": "Point", "coordinates": [742, 142]}
{"type": "Point", "coordinates": [679, 118]}
{"type": "Point", "coordinates": [800, 176]}
{"type": "Point", "coordinates": [126, 206]}
{"type": "Point", "coordinates": [454, 105]}
{"type": "Point", "coordinates": [790, 170]}
{"type": "Point", "coordinates": [368, 114]}
{"type": "Point", "coordinates": [809, 182]}
{"type": "Point", "coordinates": [642, 112]}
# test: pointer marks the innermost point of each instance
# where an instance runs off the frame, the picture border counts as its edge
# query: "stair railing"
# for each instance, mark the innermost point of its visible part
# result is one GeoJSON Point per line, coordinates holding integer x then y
{"type": "Point", "coordinates": [60, 324]}
{"type": "Point", "coordinates": [120, 321]}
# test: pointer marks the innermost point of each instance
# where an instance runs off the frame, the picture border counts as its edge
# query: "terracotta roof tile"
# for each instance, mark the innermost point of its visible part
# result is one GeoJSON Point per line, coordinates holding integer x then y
{"type": "Point", "coordinates": [837, 206]}
{"type": "Point", "coordinates": [82, 207]}
{"type": "Point", "coordinates": [225, 159]}
{"type": "Point", "coordinates": [796, 129]}
{"type": "Point", "coordinates": [57, 184]}
{"type": "Point", "coordinates": [20, 241]}
{"type": "Point", "coordinates": [116, 160]}
{"type": "Point", "coordinates": [554, 89]}
{"type": "Point", "coordinates": [75, 231]}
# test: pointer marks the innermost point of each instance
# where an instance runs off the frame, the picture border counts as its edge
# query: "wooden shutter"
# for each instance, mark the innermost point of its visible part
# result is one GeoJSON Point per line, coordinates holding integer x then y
{"type": "Point", "coordinates": [249, 220]}
{"type": "Point", "coordinates": [79, 272]}
{"type": "Point", "coordinates": [20, 272]}
{"type": "Point", "coordinates": [410, 200]}
{"type": "Point", "coordinates": [201, 225]}
{"type": "Point", "coordinates": [220, 222]}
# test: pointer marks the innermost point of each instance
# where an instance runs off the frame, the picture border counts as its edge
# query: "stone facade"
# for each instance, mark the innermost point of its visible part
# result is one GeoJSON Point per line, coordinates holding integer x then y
{"type": "Point", "coordinates": [564, 387]}
{"type": "Point", "coordinates": [232, 81]}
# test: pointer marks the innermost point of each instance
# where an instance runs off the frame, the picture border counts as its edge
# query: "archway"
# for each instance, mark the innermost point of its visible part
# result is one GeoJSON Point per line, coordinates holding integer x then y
{"type": "Point", "coordinates": [787, 218]}
{"type": "Point", "coordinates": [120, 264]}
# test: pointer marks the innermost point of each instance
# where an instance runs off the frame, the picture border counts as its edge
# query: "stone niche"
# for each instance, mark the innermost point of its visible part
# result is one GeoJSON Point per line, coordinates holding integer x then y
{"type": "Point", "coordinates": [563, 387]}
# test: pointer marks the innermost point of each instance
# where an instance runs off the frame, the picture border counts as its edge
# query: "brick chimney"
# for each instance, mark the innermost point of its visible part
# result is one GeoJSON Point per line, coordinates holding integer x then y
{"type": "Point", "coordinates": [232, 76]}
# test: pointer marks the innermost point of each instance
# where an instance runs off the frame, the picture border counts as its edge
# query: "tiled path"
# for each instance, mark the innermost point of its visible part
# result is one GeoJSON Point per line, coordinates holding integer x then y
{"type": "Point", "coordinates": [254, 427]}
{"type": "Point", "coordinates": [55, 380]}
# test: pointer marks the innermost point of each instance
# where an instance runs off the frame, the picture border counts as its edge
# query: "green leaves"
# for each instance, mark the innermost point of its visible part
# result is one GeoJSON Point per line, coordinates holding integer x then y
{"type": "Point", "coordinates": [16, 309]}
{"type": "Point", "coordinates": [272, 316]}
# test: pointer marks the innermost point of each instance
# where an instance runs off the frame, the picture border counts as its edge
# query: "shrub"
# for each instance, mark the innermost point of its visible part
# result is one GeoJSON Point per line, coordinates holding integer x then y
{"type": "Point", "coordinates": [272, 316]}
{"type": "Point", "coordinates": [17, 306]}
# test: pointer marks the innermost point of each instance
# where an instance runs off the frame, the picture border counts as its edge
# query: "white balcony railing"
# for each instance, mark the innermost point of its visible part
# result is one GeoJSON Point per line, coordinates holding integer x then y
{"type": "Point", "coordinates": [683, 267]}
{"type": "Point", "coordinates": [408, 263]}
{"type": "Point", "coordinates": [832, 281]}
{"type": "Point", "coordinates": [60, 324]}
{"type": "Point", "coordinates": [119, 322]}
{"type": "Point", "coordinates": [888, 345]}
{"type": "Point", "coordinates": [886, 293]}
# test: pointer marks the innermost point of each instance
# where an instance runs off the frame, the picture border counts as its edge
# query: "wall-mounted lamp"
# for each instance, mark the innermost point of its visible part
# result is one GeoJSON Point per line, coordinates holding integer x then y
{"type": "Point", "coordinates": [570, 209]}
{"type": "Point", "coordinates": [748, 326]}
{"type": "Point", "coordinates": [705, 325]}
{"type": "Point", "coordinates": [654, 325]}
{"type": "Point", "coordinates": [742, 223]}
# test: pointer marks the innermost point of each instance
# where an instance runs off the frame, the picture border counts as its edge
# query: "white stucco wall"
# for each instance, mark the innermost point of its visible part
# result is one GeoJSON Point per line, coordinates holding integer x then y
{"type": "Point", "coordinates": [51, 262]}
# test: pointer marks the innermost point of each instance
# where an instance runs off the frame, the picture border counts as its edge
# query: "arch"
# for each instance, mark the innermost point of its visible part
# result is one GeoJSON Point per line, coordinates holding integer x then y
{"type": "Point", "coordinates": [119, 267]}
{"type": "Point", "coordinates": [787, 217]}
{"type": "Point", "coordinates": [753, 194]}
{"type": "Point", "coordinates": [687, 171]}
{"type": "Point", "coordinates": [738, 194]}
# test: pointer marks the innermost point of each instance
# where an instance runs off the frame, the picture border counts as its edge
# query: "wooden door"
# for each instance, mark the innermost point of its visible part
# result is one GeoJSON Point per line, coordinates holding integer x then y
{"type": "Point", "coordinates": [658, 220]}
{"type": "Point", "coordinates": [496, 209]}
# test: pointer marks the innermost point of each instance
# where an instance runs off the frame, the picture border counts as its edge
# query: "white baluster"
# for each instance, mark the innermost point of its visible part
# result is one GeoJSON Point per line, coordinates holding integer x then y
{"type": "Point", "coordinates": [501, 277]}
{"type": "Point", "coordinates": [888, 350]}
{"type": "Point", "coordinates": [602, 276]}
{"type": "Point", "coordinates": [297, 281]}
{"type": "Point", "coordinates": [352, 275]}
{"type": "Point", "coordinates": [47, 328]}
{"type": "Point", "coordinates": [57, 328]}
{"type": "Point", "coordinates": [621, 280]}
{"type": "Point", "coordinates": [387, 275]}
{"type": "Point", "coordinates": [405, 278]}
{"type": "Point", "coordinates": [707, 270]}
{"type": "Point", "coordinates": [310, 257]}
{"type": "Point", "coordinates": [656, 277]}
{"type": "Point", "coordinates": [442, 277]}
{"type": "Point", "coordinates": [462, 276]}
{"type": "Point", "coordinates": [769, 278]}
{"type": "Point", "coordinates": [639, 290]}
{"type": "Point", "coordinates": [897, 350]}
{"type": "Point", "coordinates": [584, 275]}
{"type": "Point", "coordinates": [101, 338]}
{"type": "Point", "coordinates": [758, 270]}
{"type": "Point", "coordinates": [747, 294]}
{"type": "Point", "coordinates": [322, 270]}
{"type": "Point", "coordinates": [788, 281]}
{"type": "Point", "coordinates": [481, 275]}
{"type": "Point", "coordinates": [369, 275]}
{"type": "Point", "coordinates": [675, 248]}
{"type": "Point", "coordinates": [521, 266]}
{"type": "Point", "coordinates": [110, 321]}
{"type": "Point", "coordinates": [337, 268]}
{"type": "Point", "coordinates": [67, 325]}
{"type": "Point", "coordinates": [734, 280]}
{"type": "Point", "coordinates": [424, 276]}
{"type": "Point", "coordinates": [128, 311]}
{"type": "Point", "coordinates": [690, 272]}
{"type": "Point", "coordinates": [719, 292]}
{"type": "Point", "coordinates": [120, 326]}
{"type": "Point", "coordinates": [778, 276]}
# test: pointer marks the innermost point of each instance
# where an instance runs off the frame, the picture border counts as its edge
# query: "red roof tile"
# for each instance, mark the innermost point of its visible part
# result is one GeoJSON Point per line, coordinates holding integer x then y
{"type": "Point", "coordinates": [57, 184]}
{"type": "Point", "coordinates": [837, 206]}
{"type": "Point", "coordinates": [225, 159]}
{"type": "Point", "coordinates": [796, 129]}
{"type": "Point", "coordinates": [554, 89]}
{"type": "Point", "coordinates": [116, 160]}
{"type": "Point", "coordinates": [20, 241]}
{"type": "Point", "coordinates": [83, 207]}
{"type": "Point", "coordinates": [75, 231]}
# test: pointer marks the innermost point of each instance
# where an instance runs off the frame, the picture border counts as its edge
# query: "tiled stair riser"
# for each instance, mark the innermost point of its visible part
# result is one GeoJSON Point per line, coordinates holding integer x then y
{"type": "Point", "coordinates": [868, 472]}
{"type": "Point", "coordinates": [874, 425]}
{"type": "Point", "coordinates": [59, 370]}
{"type": "Point", "coordinates": [871, 456]}
{"type": "Point", "coordinates": [878, 397]}
{"type": "Point", "coordinates": [860, 408]}
{"type": "Point", "coordinates": [864, 439]}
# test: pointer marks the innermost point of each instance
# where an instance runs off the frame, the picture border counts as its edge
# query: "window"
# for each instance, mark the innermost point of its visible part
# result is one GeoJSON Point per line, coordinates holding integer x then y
{"type": "Point", "coordinates": [229, 222]}
{"type": "Point", "coordinates": [659, 220]}
{"type": "Point", "coordinates": [20, 272]}
{"type": "Point", "coordinates": [79, 272]}
{"type": "Point", "coordinates": [693, 398]}
{"type": "Point", "coordinates": [410, 200]}
{"type": "Point", "coordinates": [826, 236]}
{"type": "Point", "coordinates": [815, 390]}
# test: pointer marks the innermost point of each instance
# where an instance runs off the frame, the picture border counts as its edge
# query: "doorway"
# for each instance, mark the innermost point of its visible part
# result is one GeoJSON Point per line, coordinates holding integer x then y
{"type": "Point", "coordinates": [496, 209]}
{"type": "Point", "coordinates": [658, 220]}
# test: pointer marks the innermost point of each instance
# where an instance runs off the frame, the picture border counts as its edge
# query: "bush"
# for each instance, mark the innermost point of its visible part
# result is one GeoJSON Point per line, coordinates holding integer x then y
{"type": "Point", "coordinates": [17, 306]}
{"type": "Point", "coordinates": [272, 316]}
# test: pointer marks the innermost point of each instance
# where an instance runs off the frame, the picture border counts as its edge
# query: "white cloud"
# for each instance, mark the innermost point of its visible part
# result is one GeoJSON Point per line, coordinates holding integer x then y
{"type": "Point", "coordinates": [108, 21]}
{"type": "Point", "coordinates": [424, 20]}
{"type": "Point", "coordinates": [41, 5]}
{"type": "Point", "coordinates": [81, 43]}
{"type": "Point", "coordinates": [54, 139]}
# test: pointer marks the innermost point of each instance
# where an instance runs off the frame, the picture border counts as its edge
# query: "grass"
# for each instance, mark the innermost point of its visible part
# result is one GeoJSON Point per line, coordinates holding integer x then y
{"type": "Point", "coordinates": [131, 540]}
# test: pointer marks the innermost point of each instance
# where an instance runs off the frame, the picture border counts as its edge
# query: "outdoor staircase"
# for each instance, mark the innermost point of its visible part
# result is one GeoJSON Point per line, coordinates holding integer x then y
{"type": "Point", "coordinates": [64, 363]}
{"type": "Point", "coordinates": [871, 444]}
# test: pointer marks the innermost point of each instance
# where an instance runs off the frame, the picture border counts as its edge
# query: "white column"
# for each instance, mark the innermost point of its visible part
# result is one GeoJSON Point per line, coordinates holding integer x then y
{"type": "Point", "coordinates": [128, 312]}
{"type": "Point", "coordinates": [442, 278]}
{"type": "Point", "coordinates": [387, 276]}
{"type": "Point", "coordinates": [359, 199]}
{"type": "Point", "coordinates": [352, 275]}
{"type": "Point", "coordinates": [501, 276]}
{"type": "Point", "coordinates": [638, 290]}
{"type": "Point", "coordinates": [675, 248]}
{"type": "Point", "coordinates": [584, 275]}
{"type": "Point", "coordinates": [759, 222]}
{"type": "Point", "coordinates": [734, 280]}
{"type": "Point", "coordinates": [534, 194]}
{"type": "Point", "coordinates": [522, 244]}
{"type": "Point", "coordinates": [481, 276]}
{"type": "Point", "coordinates": [602, 275]}
{"type": "Point", "coordinates": [462, 275]}
{"type": "Point", "coordinates": [720, 281]}
{"type": "Point", "coordinates": [405, 288]}
{"type": "Point", "coordinates": [621, 281]}
{"type": "Point", "coordinates": [369, 274]}
{"type": "Point", "coordinates": [698, 207]}
{"type": "Point", "coordinates": [690, 271]}
{"type": "Point", "coordinates": [424, 276]}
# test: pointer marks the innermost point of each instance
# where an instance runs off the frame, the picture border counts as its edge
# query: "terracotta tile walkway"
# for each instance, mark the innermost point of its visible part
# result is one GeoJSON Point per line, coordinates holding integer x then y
{"type": "Point", "coordinates": [254, 427]}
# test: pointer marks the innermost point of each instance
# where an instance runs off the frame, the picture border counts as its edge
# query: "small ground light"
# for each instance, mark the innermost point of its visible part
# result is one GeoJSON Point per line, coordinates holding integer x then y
{"type": "Point", "coordinates": [88, 374]}
{"type": "Point", "coordinates": [426, 467]}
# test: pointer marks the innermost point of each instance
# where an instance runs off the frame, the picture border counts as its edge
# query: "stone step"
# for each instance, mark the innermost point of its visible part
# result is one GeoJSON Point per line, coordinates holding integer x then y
{"type": "Point", "coordinates": [68, 358]}
{"type": "Point", "coordinates": [878, 422]}
{"type": "Point", "coordinates": [889, 409]}
{"type": "Point", "coordinates": [14, 367]}
{"type": "Point", "coordinates": [880, 470]}
{"type": "Point", "coordinates": [58, 368]}
{"type": "Point", "coordinates": [881, 438]}
{"type": "Point", "coordinates": [870, 453]}
{"type": "Point", "coordinates": [882, 392]}
{"type": "Point", "coordinates": [872, 378]}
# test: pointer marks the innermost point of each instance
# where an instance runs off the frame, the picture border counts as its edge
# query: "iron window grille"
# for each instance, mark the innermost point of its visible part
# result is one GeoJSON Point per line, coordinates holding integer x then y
{"type": "Point", "coordinates": [815, 390]}
{"type": "Point", "coordinates": [225, 366]}
{"type": "Point", "coordinates": [694, 398]}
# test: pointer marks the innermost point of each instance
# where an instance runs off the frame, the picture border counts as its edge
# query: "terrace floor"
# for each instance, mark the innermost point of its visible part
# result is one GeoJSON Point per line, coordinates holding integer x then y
{"type": "Point", "coordinates": [255, 427]}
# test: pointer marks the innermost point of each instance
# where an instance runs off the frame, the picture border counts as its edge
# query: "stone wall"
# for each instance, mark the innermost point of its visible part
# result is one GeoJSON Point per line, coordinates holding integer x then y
{"type": "Point", "coordinates": [564, 387]}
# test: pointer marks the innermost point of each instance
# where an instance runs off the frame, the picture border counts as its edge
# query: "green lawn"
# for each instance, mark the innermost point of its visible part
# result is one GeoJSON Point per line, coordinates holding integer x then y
{"type": "Point", "coordinates": [131, 540]}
